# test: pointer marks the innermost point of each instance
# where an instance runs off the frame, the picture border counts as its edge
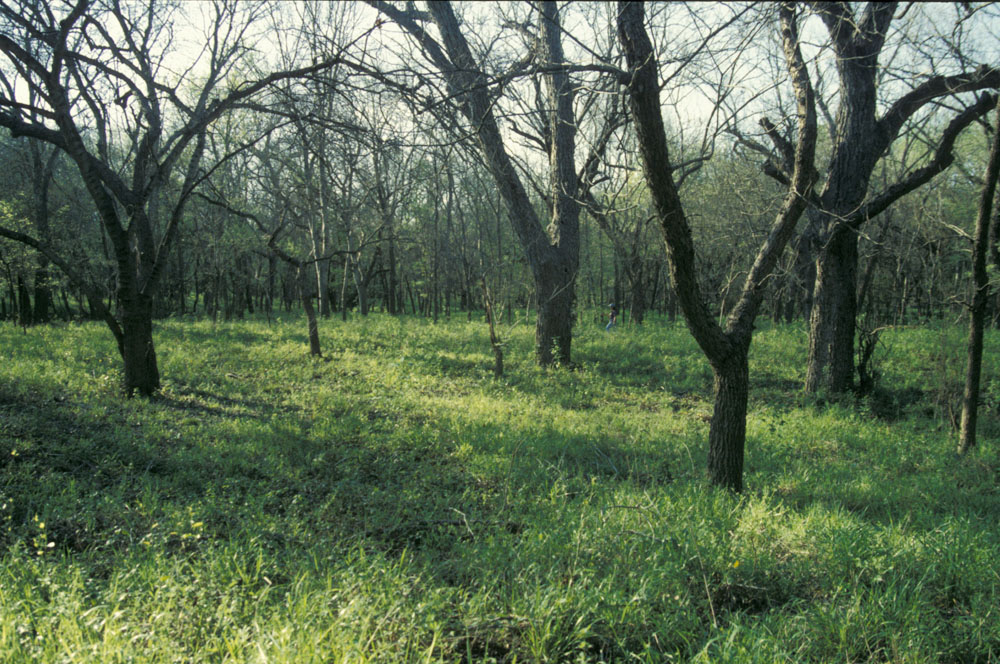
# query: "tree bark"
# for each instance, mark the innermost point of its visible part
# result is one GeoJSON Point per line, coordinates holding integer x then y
{"type": "Point", "coordinates": [323, 286]}
{"type": "Point", "coordinates": [831, 322]}
{"type": "Point", "coordinates": [141, 372]}
{"type": "Point", "coordinates": [307, 305]}
{"type": "Point", "coordinates": [552, 252]}
{"type": "Point", "coordinates": [980, 297]}
{"type": "Point", "coordinates": [726, 349]}
{"type": "Point", "coordinates": [23, 303]}
{"type": "Point", "coordinates": [727, 432]}
{"type": "Point", "coordinates": [554, 324]}
{"type": "Point", "coordinates": [637, 287]}
{"type": "Point", "coordinates": [860, 139]}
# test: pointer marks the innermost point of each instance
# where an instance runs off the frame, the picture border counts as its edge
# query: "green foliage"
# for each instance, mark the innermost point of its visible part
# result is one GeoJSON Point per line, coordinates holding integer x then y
{"type": "Point", "coordinates": [395, 503]}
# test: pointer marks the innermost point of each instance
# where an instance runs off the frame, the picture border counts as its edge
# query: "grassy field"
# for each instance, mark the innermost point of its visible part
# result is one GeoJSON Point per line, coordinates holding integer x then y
{"type": "Point", "coordinates": [392, 502]}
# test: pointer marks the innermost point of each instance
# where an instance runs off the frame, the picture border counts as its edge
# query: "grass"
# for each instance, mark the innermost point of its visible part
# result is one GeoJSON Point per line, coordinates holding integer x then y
{"type": "Point", "coordinates": [394, 503]}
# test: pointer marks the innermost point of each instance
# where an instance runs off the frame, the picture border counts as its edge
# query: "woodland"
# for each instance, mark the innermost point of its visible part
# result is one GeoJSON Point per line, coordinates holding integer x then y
{"type": "Point", "coordinates": [307, 351]}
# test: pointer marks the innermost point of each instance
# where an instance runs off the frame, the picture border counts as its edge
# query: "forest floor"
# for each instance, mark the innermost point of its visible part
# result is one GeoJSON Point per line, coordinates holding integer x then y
{"type": "Point", "coordinates": [393, 502]}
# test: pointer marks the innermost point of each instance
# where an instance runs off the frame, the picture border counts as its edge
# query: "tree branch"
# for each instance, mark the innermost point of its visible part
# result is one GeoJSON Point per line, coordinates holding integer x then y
{"type": "Point", "coordinates": [943, 157]}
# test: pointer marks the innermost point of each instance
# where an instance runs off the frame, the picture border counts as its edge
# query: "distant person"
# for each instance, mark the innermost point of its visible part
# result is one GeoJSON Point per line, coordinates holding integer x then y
{"type": "Point", "coordinates": [612, 318]}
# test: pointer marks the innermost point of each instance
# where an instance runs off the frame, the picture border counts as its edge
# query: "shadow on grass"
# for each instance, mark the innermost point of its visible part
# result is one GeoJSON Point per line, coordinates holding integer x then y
{"type": "Point", "coordinates": [919, 486]}
{"type": "Point", "coordinates": [56, 461]}
{"type": "Point", "coordinates": [226, 332]}
{"type": "Point", "coordinates": [218, 405]}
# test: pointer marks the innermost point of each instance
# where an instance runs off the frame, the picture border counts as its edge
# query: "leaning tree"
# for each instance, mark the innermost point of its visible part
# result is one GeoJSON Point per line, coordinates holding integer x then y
{"type": "Point", "coordinates": [553, 250]}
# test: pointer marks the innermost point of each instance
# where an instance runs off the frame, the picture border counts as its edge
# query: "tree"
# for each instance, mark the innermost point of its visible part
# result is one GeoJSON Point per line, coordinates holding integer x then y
{"type": "Point", "coordinates": [980, 294]}
{"type": "Point", "coordinates": [861, 135]}
{"type": "Point", "coordinates": [725, 347]}
{"type": "Point", "coordinates": [552, 252]}
{"type": "Point", "coordinates": [102, 93]}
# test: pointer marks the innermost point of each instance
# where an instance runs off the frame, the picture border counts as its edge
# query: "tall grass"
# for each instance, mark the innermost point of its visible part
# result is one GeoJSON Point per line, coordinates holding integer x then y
{"type": "Point", "coordinates": [393, 502]}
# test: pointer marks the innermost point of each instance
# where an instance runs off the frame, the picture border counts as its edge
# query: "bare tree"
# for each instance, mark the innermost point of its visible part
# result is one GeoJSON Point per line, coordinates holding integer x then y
{"type": "Point", "coordinates": [553, 252]}
{"type": "Point", "coordinates": [725, 347]}
{"type": "Point", "coordinates": [980, 295]}
{"type": "Point", "coordinates": [862, 131]}
{"type": "Point", "coordinates": [103, 93]}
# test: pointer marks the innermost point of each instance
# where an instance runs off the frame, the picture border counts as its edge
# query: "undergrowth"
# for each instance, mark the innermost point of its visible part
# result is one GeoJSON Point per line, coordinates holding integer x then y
{"type": "Point", "coordinates": [393, 502]}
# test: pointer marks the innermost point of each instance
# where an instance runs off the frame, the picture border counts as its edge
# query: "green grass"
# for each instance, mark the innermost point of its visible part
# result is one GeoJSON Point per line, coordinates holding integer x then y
{"type": "Point", "coordinates": [394, 503]}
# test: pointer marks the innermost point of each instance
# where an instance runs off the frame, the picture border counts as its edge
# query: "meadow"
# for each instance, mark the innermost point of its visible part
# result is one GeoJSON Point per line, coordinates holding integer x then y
{"type": "Point", "coordinates": [394, 502]}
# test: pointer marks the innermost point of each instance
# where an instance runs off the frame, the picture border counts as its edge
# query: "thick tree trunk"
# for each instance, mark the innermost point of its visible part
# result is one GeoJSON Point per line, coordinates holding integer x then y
{"type": "Point", "coordinates": [554, 324]}
{"type": "Point", "coordinates": [142, 374]}
{"type": "Point", "coordinates": [726, 349]}
{"type": "Point", "coordinates": [727, 433]}
{"type": "Point", "coordinates": [43, 293]}
{"type": "Point", "coordinates": [831, 322]}
{"type": "Point", "coordinates": [24, 303]}
{"type": "Point", "coordinates": [637, 286]}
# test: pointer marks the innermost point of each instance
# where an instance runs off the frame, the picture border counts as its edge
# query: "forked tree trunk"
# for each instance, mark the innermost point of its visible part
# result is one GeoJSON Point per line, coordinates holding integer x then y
{"type": "Point", "coordinates": [726, 348]}
{"type": "Point", "coordinates": [727, 432]}
{"type": "Point", "coordinates": [864, 132]}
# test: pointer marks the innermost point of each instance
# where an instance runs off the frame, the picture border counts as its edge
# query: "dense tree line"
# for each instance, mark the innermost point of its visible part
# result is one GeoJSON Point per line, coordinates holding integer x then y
{"type": "Point", "coordinates": [228, 160]}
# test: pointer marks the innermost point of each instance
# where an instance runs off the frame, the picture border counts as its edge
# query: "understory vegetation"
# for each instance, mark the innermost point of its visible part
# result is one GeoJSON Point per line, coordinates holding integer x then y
{"type": "Point", "coordinates": [394, 502]}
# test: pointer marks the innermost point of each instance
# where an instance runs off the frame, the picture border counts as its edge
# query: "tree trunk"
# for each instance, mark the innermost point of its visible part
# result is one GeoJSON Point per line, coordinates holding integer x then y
{"type": "Point", "coordinates": [980, 298]}
{"type": "Point", "coordinates": [142, 374]}
{"type": "Point", "coordinates": [272, 269]}
{"type": "Point", "coordinates": [392, 289]}
{"type": "Point", "coordinates": [307, 304]}
{"type": "Point", "coordinates": [323, 286]}
{"type": "Point", "coordinates": [360, 283]}
{"type": "Point", "coordinates": [727, 432]}
{"type": "Point", "coordinates": [343, 290]}
{"type": "Point", "coordinates": [43, 293]}
{"type": "Point", "coordinates": [831, 322]}
{"type": "Point", "coordinates": [42, 168]}
{"type": "Point", "coordinates": [861, 137]}
{"type": "Point", "coordinates": [554, 324]}
{"type": "Point", "coordinates": [637, 286]}
{"type": "Point", "coordinates": [558, 244]}
{"type": "Point", "coordinates": [727, 348]}
{"type": "Point", "coordinates": [24, 303]}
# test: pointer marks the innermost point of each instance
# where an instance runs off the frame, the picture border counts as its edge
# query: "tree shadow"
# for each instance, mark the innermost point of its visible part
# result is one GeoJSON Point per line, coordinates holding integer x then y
{"type": "Point", "coordinates": [184, 398]}
{"type": "Point", "coordinates": [919, 486]}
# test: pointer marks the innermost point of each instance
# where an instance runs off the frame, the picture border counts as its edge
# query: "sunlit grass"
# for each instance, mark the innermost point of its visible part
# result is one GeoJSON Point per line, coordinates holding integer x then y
{"type": "Point", "coordinates": [393, 502]}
